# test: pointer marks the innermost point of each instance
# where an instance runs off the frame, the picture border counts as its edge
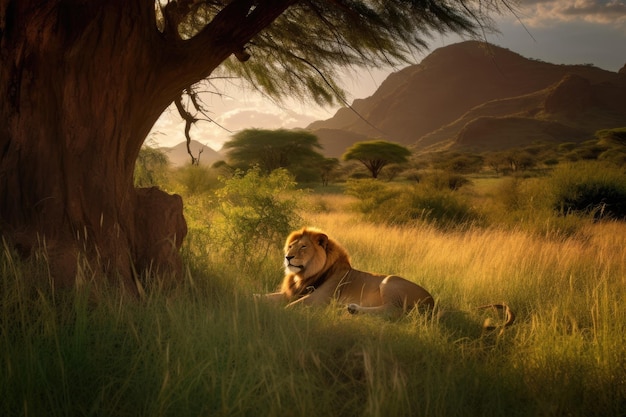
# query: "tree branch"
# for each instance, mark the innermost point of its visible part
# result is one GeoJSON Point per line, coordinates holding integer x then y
{"type": "Point", "coordinates": [189, 121]}
{"type": "Point", "coordinates": [227, 33]}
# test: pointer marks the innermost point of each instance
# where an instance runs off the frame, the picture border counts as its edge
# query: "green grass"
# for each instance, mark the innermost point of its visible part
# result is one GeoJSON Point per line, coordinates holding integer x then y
{"type": "Point", "coordinates": [209, 348]}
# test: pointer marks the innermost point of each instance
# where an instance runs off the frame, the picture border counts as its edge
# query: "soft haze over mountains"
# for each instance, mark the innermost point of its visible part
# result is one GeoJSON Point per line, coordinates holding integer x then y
{"type": "Point", "coordinates": [477, 96]}
{"type": "Point", "coordinates": [472, 96]}
{"type": "Point", "coordinates": [178, 155]}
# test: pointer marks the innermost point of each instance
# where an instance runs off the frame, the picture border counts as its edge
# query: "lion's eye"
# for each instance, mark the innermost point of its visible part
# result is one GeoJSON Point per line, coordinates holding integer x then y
{"type": "Point", "coordinates": [303, 248]}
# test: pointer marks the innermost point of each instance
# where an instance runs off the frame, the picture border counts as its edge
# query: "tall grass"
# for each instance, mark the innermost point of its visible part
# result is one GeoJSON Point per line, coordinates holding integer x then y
{"type": "Point", "coordinates": [211, 348]}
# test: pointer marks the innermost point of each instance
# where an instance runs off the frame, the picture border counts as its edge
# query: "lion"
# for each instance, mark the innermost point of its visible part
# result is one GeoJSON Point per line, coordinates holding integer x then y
{"type": "Point", "coordinates": [318, 271]}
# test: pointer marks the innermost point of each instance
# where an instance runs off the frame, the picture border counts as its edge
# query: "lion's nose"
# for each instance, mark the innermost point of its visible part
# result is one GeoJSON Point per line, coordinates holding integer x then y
{"type": "Point", "coordinates": [289, 258]}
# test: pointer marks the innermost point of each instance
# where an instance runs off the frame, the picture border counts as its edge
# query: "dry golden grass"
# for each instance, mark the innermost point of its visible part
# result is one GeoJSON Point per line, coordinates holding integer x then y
{"type": "Point", "coordinates": [210, 348]}
{"type": "Point", "coordinates": [486, 265]}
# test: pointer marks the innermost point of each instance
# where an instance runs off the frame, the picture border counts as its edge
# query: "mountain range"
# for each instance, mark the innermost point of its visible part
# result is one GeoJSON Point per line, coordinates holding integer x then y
{"type": "Point", "coordinates": [470, 96]}
{"type": "Point", "coordinates": [178, 155]}
{"type": "Point", "coordinates": [476, 96]}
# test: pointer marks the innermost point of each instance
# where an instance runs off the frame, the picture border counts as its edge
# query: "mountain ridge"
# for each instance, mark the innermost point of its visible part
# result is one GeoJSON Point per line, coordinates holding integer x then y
{"type": "Point", "coordinates": [435, 104]}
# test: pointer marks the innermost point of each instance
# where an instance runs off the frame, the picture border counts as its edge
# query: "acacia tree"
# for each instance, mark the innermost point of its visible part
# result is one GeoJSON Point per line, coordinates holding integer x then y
{"type": "Point", "coordinates": [272, 149]}
{"type": "Point", "coordinates": [376, 154]}
{"type": "Point", "coordinates": [83, 81]}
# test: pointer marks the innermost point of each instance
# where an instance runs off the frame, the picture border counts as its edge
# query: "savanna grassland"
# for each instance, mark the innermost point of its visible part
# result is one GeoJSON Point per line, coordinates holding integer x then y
{"type": "Point", "coordinates": [208, 347]}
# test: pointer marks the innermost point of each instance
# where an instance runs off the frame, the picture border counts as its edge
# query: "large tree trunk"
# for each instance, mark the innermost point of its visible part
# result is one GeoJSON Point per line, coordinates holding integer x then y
{"type": "Point", "coordinates": [78, 97]}
{"type": "Point", "coordinates": [81, 84]}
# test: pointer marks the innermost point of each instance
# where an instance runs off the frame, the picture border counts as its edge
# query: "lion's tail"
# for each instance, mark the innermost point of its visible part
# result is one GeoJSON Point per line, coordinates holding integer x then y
{"type": "Point", "coordinates": [508, 315]}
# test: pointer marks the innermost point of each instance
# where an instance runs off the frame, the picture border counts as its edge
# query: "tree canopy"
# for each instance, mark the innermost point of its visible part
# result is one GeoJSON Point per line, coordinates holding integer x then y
{"type": "Point", "coordinates": [272, 149]}
{"type": "Point", "coordinates": [345, 33]}
{"type": "Point", "coordinates": [83, 82]}
{"type": "Point", "coordinates": [376, 154]}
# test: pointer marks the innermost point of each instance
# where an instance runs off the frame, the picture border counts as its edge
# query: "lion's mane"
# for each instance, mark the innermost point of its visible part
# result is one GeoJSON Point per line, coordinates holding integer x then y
{"type": "Point", "coordinates": [337, 261]}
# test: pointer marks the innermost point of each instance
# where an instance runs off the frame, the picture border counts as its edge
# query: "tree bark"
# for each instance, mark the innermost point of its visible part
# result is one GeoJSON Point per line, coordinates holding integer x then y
{"type": "Point", "coordinates": [72, 123]}
{"type": "Point", "coordinates": [82, 83]}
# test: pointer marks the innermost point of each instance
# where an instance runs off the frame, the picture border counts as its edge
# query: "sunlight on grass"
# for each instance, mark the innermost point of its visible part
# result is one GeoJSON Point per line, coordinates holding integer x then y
{"type": "Point", "coordinates": [211, 348]}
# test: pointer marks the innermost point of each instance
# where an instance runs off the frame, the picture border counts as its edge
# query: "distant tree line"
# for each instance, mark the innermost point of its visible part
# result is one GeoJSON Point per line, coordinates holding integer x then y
{"type": "Point", "coordinates": [300, 153]}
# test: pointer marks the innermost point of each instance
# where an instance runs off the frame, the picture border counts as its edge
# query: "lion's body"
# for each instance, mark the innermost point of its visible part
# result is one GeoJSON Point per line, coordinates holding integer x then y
{"type": "Point", "coordinates": [318, 270]}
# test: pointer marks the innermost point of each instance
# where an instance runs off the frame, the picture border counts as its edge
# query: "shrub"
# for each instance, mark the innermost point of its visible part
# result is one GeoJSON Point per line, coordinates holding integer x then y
{"type": "Point", "coordinates": [196, 179]}
{"type": "Point", "coordinates": [566, 146]}
{"type": "Point", "coordinates": [444, 208]}
{"type": "Point", "coordinates": [255, 214]}
{"type": "Point", "coordinates": [371, 194]}
{"type": "Point", "coordinates": [389, 204]}
{"type": "Point", "coordinates": [464, 164]}
{"type": "Point", "coordinates": [151, 168]}
{"type": "Point", "coordinates": [616, 136]}
{"type": "Point", "coordinates": [442, 180]}
{"type": "Point", "coordinates": [511, 194]}
{"type": "Point", "coordinates": [586, 152]}
{"type": "Point", "coordinates": [616, 156]}
{"type": "Point", "coordinates": [551, 162]}
{"type": "Point", "coordinates": [590, 188]}
{"type": "Point", "coordinates": [525, 204]}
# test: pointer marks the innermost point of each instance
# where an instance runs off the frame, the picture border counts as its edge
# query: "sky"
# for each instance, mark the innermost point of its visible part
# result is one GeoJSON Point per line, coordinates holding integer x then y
{"type": "Point", "coordinates": [556, 31]}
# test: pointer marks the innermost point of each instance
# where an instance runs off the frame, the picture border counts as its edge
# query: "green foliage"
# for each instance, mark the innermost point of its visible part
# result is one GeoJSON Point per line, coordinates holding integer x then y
{"type": "Point", "coordinates": [328, 168]}
{"type": "Point", "coordinates": [210, 349]}
{"type": "Point", "coordinates": [525, 203]}
{"type": "Point", "coordinates": [461, 164]}
{"type": "Point", "coordinates": [410, 203]}
{"type": "Point", "coordinates": [443, 208]}
{"type": "Point", "coordinates": [376, 154]}
{"type": "Point", "coordinates": [612, 136]}
{"type": "Point", "coordinates": [588, 151]}
{"type": "Point", "coordinates": [616, 156]}
{"type": "Point", "coordinates": [196, 179]}
{"type": "Point", "coordinates": [442, 180]}
{"type": "Point", "coordinates": [358, 33]}
{"type": "Point", "coordinates": [591, 188]}
{"type": "Point", "coordinates": [273, 149]}
{"type": "Point", "coordinates": [371, 195]}
{"type": "Point", "coordinates": [255, 214]}
{"type": "Point", "coordinates": [151, 168]}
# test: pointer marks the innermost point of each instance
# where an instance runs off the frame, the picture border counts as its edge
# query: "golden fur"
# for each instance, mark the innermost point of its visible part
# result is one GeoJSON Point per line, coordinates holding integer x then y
{"type": "Point", "coordinates": [318, 270]}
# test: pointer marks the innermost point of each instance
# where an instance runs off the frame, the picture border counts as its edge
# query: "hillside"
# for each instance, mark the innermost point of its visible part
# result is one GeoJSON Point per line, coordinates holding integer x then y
{"type": "Point", "coordinates": [480, 96]}
{"type": "Point", "coordinates": [334, 142]}
{"type": "Point", "coordinates": [178, 155]}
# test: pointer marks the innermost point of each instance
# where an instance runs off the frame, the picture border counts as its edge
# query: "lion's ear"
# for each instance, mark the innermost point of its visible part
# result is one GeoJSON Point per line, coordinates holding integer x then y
{"type": "Point", "coordinates": [322, 240]}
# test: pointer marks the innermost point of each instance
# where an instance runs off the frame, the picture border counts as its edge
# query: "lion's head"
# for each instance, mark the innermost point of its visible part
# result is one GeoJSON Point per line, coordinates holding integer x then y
{"type": "Point", "coordinates": [309, 254]}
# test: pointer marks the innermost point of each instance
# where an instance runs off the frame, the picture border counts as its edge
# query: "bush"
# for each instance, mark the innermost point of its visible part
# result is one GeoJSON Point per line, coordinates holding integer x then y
{"type": "Point", "coordinates": [590, 188]}
{"type": "Point", "coordinates": [442, 180]}
{"type": "Point", "coordinates": [371, 195]}
{"type": "Point", "coordinates": [196, 179]}
{"type": "Point", "coordinates": [510, 194]}
{"type": "Point", "coordinates": [616, 156]}
{"type": "Point", "coordinates": [404, 204]}
{"type": "Point", "coordinates": [587, 152]}
{"type": "Point", "coordinates": [444, 208]}
{"type": "Point", "coordinates": [525, 204]}
{"type": "Point", "coordinates": [151, 168]}
{"type": "Point", "coordinates": [255, 214]}
{"type": "Point", "coordinates": [615, 136]}
{"type": "Point", "coordinates": [464, 164]}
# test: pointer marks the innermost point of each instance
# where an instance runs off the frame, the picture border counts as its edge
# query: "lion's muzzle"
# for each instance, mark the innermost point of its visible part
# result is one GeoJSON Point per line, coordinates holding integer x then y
{"type": "Point", "coordinates": [291, 267]}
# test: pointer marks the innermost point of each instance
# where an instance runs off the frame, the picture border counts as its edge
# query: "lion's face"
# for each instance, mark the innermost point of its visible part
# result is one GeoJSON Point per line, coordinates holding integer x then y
{"type": "Point", "coordinates": [305, 253]}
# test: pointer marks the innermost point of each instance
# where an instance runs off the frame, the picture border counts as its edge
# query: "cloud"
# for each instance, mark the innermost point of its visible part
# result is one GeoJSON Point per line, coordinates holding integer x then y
{"type": "Point", "coordinates": [540, 13]}
{"type": "Point", "coordinates": [264, 117]}
{"type": "Point", "coordinates": [229, 118]}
